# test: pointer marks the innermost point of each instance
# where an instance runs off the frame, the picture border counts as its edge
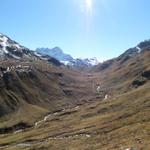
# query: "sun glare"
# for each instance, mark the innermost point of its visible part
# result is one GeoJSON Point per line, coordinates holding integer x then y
{"type": "Point", "coordinates": [88, 4]}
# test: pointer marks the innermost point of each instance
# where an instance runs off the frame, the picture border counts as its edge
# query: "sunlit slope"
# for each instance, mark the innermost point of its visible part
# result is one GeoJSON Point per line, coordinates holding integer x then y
{"type": "Point", "coordinates": [27, 94]}
{"type": "Point", "coordinates": [115, 124]}
{"type": "Point", "coordinates": [60, 108]}
{"type": "Point", "coordinates": [124, 73]}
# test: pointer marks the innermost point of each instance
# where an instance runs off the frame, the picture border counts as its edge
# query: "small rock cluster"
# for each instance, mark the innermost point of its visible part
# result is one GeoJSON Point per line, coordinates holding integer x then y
{"type": "Point", "coordinates": [18, 68]}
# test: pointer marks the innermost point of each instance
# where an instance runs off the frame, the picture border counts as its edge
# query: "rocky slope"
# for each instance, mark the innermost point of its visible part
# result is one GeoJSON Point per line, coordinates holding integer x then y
{"type": "Point", "coordinates": [11, 49]}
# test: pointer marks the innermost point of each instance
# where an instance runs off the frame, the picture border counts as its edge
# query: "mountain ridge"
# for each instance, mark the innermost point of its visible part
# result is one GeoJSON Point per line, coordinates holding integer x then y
{"type": "Point", "coordinates": [67, 59]}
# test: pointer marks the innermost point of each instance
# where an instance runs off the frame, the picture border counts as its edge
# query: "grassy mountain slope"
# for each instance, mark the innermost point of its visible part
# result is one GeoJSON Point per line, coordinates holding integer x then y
{"type": "Point", "coordinates": [37, 91]}
{"type": "Point", "coordinates": [117, 123]}
{"type": "Point", "coordinates": [124, 73]}
{"type": "Point", "coordinates": [70, 114]}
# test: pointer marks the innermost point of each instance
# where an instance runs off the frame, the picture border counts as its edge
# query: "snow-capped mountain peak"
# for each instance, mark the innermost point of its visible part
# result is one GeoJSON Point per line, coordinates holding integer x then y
{"type": "Point", "coordinates": [92, 61]}
{"type": "Point", "coordinates": [66, 59]}
{"type": "Point", "coordinates": [10, 48]}
{"type": "Point", "coordinates": [3, 43]}
{"type": "Point", "coordinates": [55, 52]}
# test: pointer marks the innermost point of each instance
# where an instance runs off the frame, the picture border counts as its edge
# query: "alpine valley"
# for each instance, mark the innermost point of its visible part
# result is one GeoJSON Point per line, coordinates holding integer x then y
{"type": "Point", "coordinates": [47, 102]}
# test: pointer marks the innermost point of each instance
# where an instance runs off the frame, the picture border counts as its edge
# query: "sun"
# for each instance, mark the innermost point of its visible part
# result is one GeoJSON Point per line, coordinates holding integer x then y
{"type": "Point", "coordinates": [88, 4]}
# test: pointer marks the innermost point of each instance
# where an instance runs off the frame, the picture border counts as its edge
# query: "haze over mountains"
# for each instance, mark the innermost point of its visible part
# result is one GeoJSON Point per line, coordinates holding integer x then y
{"type": "Point", "coordinates": [45, 105]}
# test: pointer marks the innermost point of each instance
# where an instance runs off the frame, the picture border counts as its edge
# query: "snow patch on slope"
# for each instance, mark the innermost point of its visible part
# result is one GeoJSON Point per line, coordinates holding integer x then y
{"type": "Point", "coordinates": [10, 48]}
{"type": "Point", "coordinates": [4, 43]}
{"type": "Point", "coordinates": [139, 49]}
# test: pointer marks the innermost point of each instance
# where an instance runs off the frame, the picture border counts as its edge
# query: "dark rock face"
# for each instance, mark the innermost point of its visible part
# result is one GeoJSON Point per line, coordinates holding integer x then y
{"type": "Point", "coordinates": [51, 60]}
{"type": "Point", "coordinates": [19, 53]}
{"type": "Point", "coordinates": [144, 77]}
{"type": "Point", "coordinates": [145, 44]}
{"type": "Point", "coordinates": [137, 83]}
{"type": "Point", "coordinates": [67, 92]}
{"type": "Point", "coordinates": [59, 74]}
{"type": "Point", "coordinates": [3, 110]}
{"type": "Point", "coordinates": [54, 61]}
{"type": "Point", "coordinates": [19, 126]}
{"type": "Point", "coordinates": [7, 78]}
{"type": "Point", "coordinates": [146, 74]}
{"type": "Point", "coordinates": [3, 69]}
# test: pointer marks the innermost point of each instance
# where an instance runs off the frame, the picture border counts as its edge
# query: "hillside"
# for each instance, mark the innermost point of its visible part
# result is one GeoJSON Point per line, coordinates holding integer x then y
{"type": "Point", "coordinates": [48, 107]}
{"type": "Point", "coordinates": [126, 72]}
{"type": "Point", "coordinates": [32, 85]}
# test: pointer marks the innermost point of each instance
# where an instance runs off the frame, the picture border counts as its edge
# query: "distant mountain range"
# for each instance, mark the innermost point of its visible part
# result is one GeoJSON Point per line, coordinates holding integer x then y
{"type": "Point", "coordinates": [10, 49]}
{"type": "Point", "coordinates": [66, 58]}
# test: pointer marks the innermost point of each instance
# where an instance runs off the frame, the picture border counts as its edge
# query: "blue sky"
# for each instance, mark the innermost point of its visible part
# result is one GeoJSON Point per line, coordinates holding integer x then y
{"type": "Point", "coordinates": [82, 28]}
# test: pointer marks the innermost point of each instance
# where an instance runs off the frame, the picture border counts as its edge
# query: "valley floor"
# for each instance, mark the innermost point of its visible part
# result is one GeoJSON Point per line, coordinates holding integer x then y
{"type": "Point", "coordinates": [117, 123]}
